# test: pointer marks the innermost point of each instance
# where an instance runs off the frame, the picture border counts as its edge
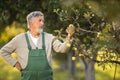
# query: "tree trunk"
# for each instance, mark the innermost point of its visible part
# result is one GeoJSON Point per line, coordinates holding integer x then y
{"type": "Point", "coordinates": [71, 66]}
{"type": "Point", "coordinates": [90, 71]}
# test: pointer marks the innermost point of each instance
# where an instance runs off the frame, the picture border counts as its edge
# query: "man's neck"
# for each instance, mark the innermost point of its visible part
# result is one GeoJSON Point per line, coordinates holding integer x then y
{"type": "Point", "coordinates": [34, 34]}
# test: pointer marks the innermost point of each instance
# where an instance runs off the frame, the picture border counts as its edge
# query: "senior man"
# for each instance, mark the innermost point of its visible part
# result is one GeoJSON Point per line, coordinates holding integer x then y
{"type": "Point", "coordinates": [33, 49]}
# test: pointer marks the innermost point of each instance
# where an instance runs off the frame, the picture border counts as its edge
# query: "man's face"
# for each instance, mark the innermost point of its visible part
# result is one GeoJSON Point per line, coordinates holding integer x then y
{"type": "Point", "coordinates": [37, 23]}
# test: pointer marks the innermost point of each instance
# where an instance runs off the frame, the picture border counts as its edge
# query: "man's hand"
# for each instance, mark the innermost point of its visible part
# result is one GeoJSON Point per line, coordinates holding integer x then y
{"type": "Point", "coordinates": [70, 30]}
{"type": "Point", "coordinates": [18, 66]}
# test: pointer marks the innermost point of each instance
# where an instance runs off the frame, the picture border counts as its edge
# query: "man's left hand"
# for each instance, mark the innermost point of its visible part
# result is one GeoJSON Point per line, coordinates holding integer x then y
{"type": "Point", "coordinates": [70, 30]}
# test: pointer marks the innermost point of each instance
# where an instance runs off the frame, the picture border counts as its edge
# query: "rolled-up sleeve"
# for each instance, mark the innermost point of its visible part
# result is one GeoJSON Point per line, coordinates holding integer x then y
{"type": "Point", "coordinates": [7, 50]}
{"type": "Point", "coordinates": [58, 46]}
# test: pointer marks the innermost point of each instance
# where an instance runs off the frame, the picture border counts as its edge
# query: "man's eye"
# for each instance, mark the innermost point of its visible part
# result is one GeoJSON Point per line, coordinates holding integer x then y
{"type": "Point", "coordinates": [41, 20]}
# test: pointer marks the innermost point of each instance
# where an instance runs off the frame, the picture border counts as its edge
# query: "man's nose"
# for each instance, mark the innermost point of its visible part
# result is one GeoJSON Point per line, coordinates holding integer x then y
{"type": "Point", "coordinates": [42, 22]}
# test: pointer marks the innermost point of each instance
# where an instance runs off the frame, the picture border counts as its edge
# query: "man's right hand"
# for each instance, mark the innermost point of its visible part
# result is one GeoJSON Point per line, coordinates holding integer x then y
{"type": "Point", "coordinates": [18, 66]}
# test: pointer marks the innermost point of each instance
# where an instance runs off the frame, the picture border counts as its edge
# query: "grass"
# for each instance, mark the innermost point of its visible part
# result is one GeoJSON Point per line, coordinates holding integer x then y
{"type": "Point", "coordinates": [107, 74]}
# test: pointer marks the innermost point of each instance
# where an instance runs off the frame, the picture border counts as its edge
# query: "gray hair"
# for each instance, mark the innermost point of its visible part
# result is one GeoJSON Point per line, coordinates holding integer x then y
{"type": "Point", "coordinates": [33, 15]}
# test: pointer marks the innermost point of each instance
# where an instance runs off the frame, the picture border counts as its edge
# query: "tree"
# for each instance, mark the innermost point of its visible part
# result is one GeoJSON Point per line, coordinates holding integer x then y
{"type": "Point", "coordinates": [93, 40]}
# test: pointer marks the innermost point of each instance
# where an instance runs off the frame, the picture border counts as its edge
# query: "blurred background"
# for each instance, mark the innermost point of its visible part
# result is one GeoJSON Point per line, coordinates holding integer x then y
{"type": "Point", "coordinates": [95, 51]}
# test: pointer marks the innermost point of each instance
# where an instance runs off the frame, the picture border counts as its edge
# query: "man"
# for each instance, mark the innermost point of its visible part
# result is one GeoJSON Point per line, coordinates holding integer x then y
{"type": "Point", "coordinates": [33, 49]}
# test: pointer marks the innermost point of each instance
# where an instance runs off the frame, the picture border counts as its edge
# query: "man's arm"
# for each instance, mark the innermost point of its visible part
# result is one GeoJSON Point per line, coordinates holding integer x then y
{"type": "Point", "coordinates": [58, 46]}
{"type": "Point", "coordinates": [6, 52]}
